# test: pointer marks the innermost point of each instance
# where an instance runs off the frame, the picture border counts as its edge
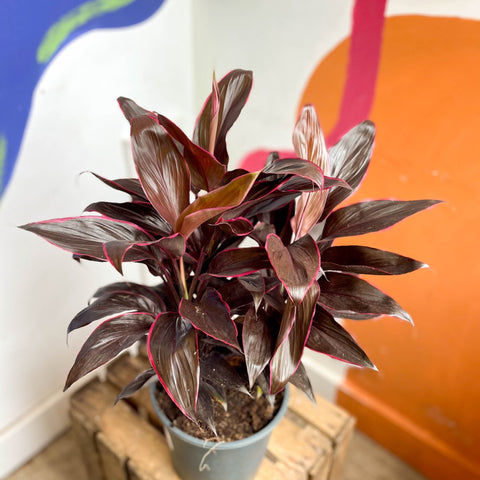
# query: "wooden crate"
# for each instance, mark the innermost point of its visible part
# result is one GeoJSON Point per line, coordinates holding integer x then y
{"type": "Point", "coordinates": [125, 441]}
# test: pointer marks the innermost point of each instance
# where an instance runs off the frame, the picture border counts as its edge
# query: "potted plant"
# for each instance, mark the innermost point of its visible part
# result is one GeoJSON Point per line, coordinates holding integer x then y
{"type": "Point", "coordinates": [248, 275]}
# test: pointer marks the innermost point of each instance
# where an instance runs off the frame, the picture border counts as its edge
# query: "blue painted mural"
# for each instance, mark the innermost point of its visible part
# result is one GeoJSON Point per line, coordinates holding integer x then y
{"type": "Point", "coordinates": [31, 34]}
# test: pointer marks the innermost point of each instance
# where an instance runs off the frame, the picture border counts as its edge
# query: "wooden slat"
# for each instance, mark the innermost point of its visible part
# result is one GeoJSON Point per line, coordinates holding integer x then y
{"type": "Point", "coordinates": [121, 372]}
{"type": "Point", "coordinates": [122, 444]}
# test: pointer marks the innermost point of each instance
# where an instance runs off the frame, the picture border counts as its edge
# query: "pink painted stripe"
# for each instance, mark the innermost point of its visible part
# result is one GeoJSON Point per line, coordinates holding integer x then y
{"type": "Point", "coordinates": [362, 70]}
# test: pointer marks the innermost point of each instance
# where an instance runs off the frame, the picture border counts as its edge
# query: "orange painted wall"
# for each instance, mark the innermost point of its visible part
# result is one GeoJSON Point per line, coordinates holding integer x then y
{"type": "Point", "coordinates": [424, 403]}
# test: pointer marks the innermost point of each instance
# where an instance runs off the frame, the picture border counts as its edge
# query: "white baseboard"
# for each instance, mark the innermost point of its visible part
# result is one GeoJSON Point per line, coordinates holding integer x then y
{"type": "Point", "coordinates": [29, 435]}
{"type": "Point", "coordinates": [325, 373]}
{"type": "Point", "coordinates": [33, 432]}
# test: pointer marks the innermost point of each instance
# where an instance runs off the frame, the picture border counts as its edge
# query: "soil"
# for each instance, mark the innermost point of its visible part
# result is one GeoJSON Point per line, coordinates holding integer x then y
{"type": "Point", "coordinates": [244, 417]}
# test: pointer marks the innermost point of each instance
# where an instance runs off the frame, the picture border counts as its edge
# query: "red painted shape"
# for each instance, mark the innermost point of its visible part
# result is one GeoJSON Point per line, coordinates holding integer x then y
{"type": "Point", "coordinates": [364, 58]}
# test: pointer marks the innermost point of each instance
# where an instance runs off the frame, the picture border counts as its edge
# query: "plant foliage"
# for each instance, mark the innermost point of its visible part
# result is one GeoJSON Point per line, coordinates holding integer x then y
{"type": "Point", "coordinates": [226, 312]}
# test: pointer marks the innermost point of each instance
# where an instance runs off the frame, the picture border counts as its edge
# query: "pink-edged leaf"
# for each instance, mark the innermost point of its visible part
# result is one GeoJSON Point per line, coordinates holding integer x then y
{"type": "Point", "coordinates": [204, 410]}
{"type": "Point", "coordinates": [155, 294]}
{"type": "Point", "coordinates": [239, 261]}
{"type": "Point", "coordinates": [107, 341]}
{"type": "Point", "coordinates": [308, 140]}
{"type": "Point", "coordinates": [258, 342]}
{"type": "Point", "coordinates": [211, 315]}
{"type": "Point", "coordinates": [86, 235]}
{"type": "Point", "coordinates": [131, 186]}
{"type": "Point", "coordinates": [305, 169]}
{"type": "Point", "coordinates": [113, 304]}
{"type": "Point", "coordinates": [255, 284]}
{"type": "Point", "coordinates": [136, 384]}
{"type": "Point", "coordinates": [162, 170]}
{"type": "Point", "coordinates": [238, 299]}
{"type": "Point", "coordinates": [174, 245]}
{"type": "Point", "coordinates": [371, 216]}
{"type": "Point", "coordinates": [141, 214]}
{"type": "Point", "coordinates": [296, 265]}
{"type": "Point", "coordinates": [213, 203]}
{"type": "Point", "coordinates": [131, 110]}
{"type": "Point", "coordinates": [272, 202]}
{"type": "Point", "coordinates": [309, 144]}
{"type": "Point", "coordinates": [238, 226]}
{"type": "Point", "coordinates": [294, 330]}
{"type": "Point", "coordinates": [349, 160]}
{"type": "Point", "coordinates": [329, 337]}
{"type": "Point", "coordinates": [218, 372]}
{"type": "Point", "coordinates": [302, 382]}
{"type": "Point", "coordinates": [172, 349]}
{"type": "Point", "coordinates": [207, 172]}
{"type": "Point", "coordinates": [234, 89]}
{"type": "Point", "coordinates": [347, 296]}
{"type": "Point", "coordinates": [215, 100]}
{"type": "Point", "coordinates": [366, 260]}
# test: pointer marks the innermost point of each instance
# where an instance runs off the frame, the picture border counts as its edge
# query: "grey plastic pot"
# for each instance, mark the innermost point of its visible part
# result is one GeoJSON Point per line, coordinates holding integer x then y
{"type": "Point", "coordinates": [196, 459]}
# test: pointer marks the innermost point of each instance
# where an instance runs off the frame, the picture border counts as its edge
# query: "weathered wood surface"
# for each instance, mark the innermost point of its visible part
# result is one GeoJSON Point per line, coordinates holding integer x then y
{"type": "Point", "coordinates": [123, 442]}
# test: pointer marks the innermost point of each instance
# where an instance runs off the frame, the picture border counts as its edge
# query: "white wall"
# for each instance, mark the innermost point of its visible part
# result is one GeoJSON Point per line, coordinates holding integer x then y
{"type": "Point", "coordinates": [75, 125]}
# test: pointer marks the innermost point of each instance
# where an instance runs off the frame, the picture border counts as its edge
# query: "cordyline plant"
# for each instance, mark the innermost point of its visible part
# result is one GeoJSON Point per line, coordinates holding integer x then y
{"type": "Point", "coordinates": [227, 313]}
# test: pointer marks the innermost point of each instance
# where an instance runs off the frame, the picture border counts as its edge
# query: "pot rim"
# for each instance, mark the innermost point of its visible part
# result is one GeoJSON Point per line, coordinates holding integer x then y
{"type": "Point", "coordinates": [266, 430]}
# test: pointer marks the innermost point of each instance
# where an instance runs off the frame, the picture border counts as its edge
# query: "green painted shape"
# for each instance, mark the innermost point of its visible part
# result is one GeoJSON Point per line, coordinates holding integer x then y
{"type": "Point", "coordinates": [3, 156]}
{"type": "Point", "coordinates": [77, 17]}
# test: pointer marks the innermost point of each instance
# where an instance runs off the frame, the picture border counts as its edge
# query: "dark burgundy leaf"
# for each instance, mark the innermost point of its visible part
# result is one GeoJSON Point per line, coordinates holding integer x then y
{"type": "Point", "coordinates": [309, 144]}
{"type": "Point", "coordinates": [261, 231]}
{"type": "Point", "coordinates": [174, 245]}
{"type": "Point", "coordinates": [204, 409]}
{"type": "Point", "coordinates": [218, 371]}
{"type": "Point", "coordinates": [131, 186]}
{"type": "Point", "coordinates": [162, 170]}
{"type": "Point", "coordinates": [86, 235]}
{"type": "Point", "coordinates": [347, 295]}
{"type": "Point", "coordinates": [237, 226]}
{"type": "Point", "coordinates": [329, 337]}
{"type": "Point", "coordinates": [212, 316]}
{"type": "Point", "coordinates": [239, 261]}
{"type": "Point", "coordinates": [234, 89]}
{"type": "Point", "coordinates": [270, 203]}
{"type": "Point", "coordinates": [136, 384]}
{"type": "Point", "coordinates": [132, 288]}
{"type": "Point", "coordinates": [207, 173]}
{"type": "Point", "coordinates": [213, 203]}
{"type": "Point", "coordinates": [291, 340]}
{"type": "Point", "coordinates": [296, 265]}
{"type": "Point", "coordinates": [349, 160]}
{"type": "Point", "coordinates": [366, 260]}
{"type": "Point", "coordinates": [255, 284]}
{"type": "Point", "coordinates": [175, 359]}
{"type": "Point", "coordinates": [371, 216]}
{"type": "Point", "coordinates": [300, 380]}
{"type": "Point", "coordinates": [107, 341]}
{"type": "Point", "coordinates": [141, 214]}
{"type": "Point", "coordinates": [258, 342]}
{"type": "Point", "coordinates": [113, 304]}
{"type": "Point", "coordinates": [236, 296]}
{"type": "Point", "coordinates": [131, 110]}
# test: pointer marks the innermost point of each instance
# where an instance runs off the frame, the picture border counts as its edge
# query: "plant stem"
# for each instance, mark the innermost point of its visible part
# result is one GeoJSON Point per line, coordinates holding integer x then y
{"type": "Point", "coordinates": [183, 279]}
